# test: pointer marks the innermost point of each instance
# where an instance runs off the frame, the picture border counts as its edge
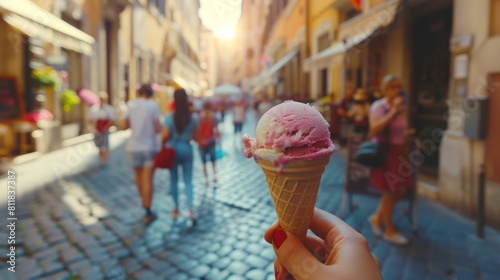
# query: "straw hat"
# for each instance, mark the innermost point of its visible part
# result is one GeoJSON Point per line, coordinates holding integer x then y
{"type": "Point", "coordinates": [360, 95]}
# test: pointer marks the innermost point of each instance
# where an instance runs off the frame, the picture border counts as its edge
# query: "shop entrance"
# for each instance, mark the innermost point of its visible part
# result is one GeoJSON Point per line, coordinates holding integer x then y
{"type": "Point", "coordinates": [431, 70]}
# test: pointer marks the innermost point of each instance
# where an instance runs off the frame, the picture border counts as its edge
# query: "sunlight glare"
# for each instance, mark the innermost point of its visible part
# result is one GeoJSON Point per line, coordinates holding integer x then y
{"type": "Point", "coordinates": [220, 16]}
{"type": "Point", "coordinates": [225, 32]}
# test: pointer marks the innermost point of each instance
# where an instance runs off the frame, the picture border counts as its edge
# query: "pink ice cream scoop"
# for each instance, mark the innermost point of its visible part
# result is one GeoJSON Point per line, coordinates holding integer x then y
{"type": "Point", "coordinates": [290, 131]}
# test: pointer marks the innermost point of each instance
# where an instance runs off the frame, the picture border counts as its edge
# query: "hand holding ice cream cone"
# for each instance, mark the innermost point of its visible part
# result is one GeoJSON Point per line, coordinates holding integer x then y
{"type": "Point", "coordinates": [292, 147]}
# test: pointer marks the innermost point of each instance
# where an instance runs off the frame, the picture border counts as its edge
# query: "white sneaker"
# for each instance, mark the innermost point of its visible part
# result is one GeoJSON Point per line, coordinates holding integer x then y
{"type": "Point", "coordinates": [377, 231]}
{"type": "Point", "coordinates": [397, 239]}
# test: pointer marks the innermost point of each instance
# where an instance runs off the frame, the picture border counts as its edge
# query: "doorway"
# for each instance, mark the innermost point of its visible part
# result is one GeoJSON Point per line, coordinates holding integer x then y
{"type": "Point", "coordinates": [324, 82]}
{"type": "Point", "coordinates": [430, 78]}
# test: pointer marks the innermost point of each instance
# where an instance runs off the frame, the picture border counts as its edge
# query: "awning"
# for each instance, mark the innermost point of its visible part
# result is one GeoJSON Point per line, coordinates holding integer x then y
{"type": "Point", "coordinates": [278, 65]}
{"type": "Point", "coordinates": [356, 30]}
{"type": "Point", "coordinates": [36, 22]}
{"type": "Point", "coordinates": [188, 86]}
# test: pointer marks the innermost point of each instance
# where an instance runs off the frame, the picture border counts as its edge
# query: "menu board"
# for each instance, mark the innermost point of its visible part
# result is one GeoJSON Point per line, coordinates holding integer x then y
{"type": "Point", "coordinates": [9, 102]}
{"type": "Point", "coordinates": [357, 179]}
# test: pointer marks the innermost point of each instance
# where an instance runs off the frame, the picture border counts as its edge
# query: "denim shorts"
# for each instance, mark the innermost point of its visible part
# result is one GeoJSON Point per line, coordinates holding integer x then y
{"type": "Point", "coordinates": [141, 159]}
{"type": "Point", "coordinates": [101, 140]}
{"type": "Point", "coordinates": [209, 151]}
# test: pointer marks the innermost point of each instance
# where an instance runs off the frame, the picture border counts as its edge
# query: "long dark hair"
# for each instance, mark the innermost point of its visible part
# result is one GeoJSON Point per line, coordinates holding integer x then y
{"type": "Point", "coordinates": [182, 115]}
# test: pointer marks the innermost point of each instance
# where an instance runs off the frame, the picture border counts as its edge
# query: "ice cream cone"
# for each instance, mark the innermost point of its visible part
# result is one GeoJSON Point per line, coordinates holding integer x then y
{"type": "Point", "coordinates": [294, 191]}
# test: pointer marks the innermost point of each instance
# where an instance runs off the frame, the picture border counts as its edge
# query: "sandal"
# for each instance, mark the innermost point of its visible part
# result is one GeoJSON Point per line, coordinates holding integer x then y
{"type": "Point", "coordinates": [149, 218]}
{"type": "Point", "coordinates": [175, 213]}
{"type": "Point", "coordinates": [396, 239]}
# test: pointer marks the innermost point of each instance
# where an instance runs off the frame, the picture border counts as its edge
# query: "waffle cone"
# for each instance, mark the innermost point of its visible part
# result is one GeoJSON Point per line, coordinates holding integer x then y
{"type": "Point", "coordinates": [294, 192]}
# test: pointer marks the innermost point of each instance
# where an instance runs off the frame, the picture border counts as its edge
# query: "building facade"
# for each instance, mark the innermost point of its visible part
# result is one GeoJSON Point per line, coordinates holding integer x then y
{"type": "Point", "coordinates": [48, 51]}
{"type": "Point", "coordinates": [446, 55]}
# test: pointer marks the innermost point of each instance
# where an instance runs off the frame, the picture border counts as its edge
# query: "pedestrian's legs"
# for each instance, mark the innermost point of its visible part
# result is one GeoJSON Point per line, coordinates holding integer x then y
{"type": "Point", "coordinates": [215, 174]}
{"type": "Point", "coordinates": [387, 204]}
{"type": "Point", "coordinates": [205, 174]}
{"type": "Point", "coordinates": [137, 179]}
{"type": "Point", "coordinates": [187, 170]}
{"type": "Point", "coordinates": [147, 186]}
{"type": "Point", "coordinates": [211, 154]}
{"type": "Point", "coordinates": [174, 179]}
{"type": "Point", "coordinates": [104, 155]}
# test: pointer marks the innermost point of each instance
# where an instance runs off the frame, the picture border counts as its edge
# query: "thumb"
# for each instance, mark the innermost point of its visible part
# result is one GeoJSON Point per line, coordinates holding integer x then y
{"type": "Point", "coordinates": [294, 256]}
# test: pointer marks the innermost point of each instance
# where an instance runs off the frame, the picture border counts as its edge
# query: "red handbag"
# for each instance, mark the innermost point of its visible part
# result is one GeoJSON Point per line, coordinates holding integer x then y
{"type": "Point", "coordinates": [165, 158]}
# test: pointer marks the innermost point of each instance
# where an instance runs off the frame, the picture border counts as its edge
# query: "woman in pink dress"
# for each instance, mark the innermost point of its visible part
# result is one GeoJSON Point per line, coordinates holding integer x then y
{"type": "Point", "coordinates": [388, 118]}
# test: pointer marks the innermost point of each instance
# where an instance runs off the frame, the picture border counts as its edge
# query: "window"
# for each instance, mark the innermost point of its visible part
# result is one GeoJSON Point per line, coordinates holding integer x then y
{"type": "Point", "coordinates": [323, 42]}
{"type": "Point", "coordinates": [495, 18]}
{"type": "Point", "coordinates": [348, 12]}
{"type": "Point", "coordinates": [324, 82]}
{"type": "Point", "coordinates": [158, 6]}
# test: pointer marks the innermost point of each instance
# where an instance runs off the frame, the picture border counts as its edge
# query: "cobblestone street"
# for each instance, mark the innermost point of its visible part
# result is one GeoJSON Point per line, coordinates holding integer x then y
{"type": "Point", "coordinates": [89, 225]}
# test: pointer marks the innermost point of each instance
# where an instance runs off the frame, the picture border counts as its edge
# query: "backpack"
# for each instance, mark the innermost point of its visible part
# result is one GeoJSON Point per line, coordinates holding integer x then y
{"type": "Point", "coordinates": [206, 133]}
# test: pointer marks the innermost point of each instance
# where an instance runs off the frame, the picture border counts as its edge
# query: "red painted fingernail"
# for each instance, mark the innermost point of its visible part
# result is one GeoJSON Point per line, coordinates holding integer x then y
{"type": "Point", "coordinates": [279, 236]}
{"type": "Point", "coordinates": [276, 273]}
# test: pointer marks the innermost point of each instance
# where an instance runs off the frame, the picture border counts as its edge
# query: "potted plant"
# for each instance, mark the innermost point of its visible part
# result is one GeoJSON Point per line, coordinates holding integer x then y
{"type": "Point", "coordinates": [69, 98]}
{"type": "Point", "coordinates": [46, 77]}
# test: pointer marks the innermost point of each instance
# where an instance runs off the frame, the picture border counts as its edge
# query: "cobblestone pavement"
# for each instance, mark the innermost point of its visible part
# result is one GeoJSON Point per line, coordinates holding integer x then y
{"type": "Point", "coordinates": [88, 225]}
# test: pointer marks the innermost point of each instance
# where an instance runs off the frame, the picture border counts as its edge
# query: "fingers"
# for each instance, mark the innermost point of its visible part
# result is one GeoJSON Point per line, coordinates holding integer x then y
{"type": "Point", "coordinates": [294, 256]}
{"type": "Point", "coordinates": [268, 235]}
{"type": "Point", "coordinates": [280, 272]}
{"type": "Point", "coordinates": [314, 244]}
{"type": "Point", "coordinates": [325, 224]}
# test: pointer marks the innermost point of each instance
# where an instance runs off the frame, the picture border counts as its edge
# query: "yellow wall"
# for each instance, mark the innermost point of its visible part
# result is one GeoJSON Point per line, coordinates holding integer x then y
{"type": "Point", "coordinates": [277, 33]}
{"type": "Point", "coordinates": [93, 9]}
{"type": "Point", "coordinates": [318, 7]}
{"type": "Point", "coordinates": [319, 13]}
{"type": "Point", "coordinates": [296, 20]}
{"type": "Point", "coordinates": [374, 3]}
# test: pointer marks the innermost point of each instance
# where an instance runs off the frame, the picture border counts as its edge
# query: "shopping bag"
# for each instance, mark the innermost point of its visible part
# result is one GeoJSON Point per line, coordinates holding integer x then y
{"type": "Point", "coordinates": [372, 154]}
{"type": "Point", "coordinates": [165, 158]}
{"type": "Point", "coordinates": [219, 153]}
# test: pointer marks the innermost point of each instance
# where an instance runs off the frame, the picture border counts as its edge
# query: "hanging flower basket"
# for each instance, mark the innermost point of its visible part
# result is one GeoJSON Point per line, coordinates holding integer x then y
{"type": "Point", "coordinates": [69, 98]}
{"type": "Point", "coordinates": [46, 77]}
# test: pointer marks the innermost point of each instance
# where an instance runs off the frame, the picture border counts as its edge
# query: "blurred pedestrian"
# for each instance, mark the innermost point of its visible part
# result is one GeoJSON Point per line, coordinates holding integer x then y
{"type": "Point", "coordinates": [388, 123]}
{"type": "Point", "coordinates": [360, 111]}
{"type": "Point", "coordinates": [264, 105]}
{"type": "Point", "coordinates": [346, 124]}
{"type": "Point", "coordinates": [346, 102]}
{"type": "Point", "coordinates": [239, 113]}
{"type": "Point", "coordinates": [102, 116]}
{"type": "Point", "coordinates": [143, 118]}
{"type": "Point", "coordinates": [179, 130]}
{"type": "Point", "coordinates": [222, 109]}
{"type": "Point", "coordinates": [206, 136]}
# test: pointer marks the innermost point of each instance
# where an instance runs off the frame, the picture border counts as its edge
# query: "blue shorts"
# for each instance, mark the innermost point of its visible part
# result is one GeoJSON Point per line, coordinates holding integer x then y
{"type": "Point", "coordinates": [101, 140]}
{"type": "Point", "coordinates": [141, 159]}
{"type": "Point", "coordinates": [209, 151]}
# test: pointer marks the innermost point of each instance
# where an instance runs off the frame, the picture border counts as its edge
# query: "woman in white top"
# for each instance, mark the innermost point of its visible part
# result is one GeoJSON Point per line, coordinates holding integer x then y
{"type": "Point", "coordinates": [239, 115]}
{"type": "Point", "coordinates": [143, 118]}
